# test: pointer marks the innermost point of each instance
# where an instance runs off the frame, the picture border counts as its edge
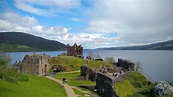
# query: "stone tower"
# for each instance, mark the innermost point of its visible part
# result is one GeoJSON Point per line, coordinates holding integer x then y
{"type": "Point", "coordinates": [75, 50]}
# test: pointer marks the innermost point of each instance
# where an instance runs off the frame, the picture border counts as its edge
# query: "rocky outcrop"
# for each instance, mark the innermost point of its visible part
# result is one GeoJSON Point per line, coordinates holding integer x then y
{"type": "Point", "coordinates": [88, 73]}
{"type": "Point", "coordinates": [105, 86]}
{"type": "Point", "coordinates": [163, 88]}
{"type": "Point", "coordinates": [126, 64]}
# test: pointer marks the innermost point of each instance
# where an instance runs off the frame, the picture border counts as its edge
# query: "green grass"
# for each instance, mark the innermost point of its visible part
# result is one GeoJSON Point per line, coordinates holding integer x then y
{"type": "Point", "coordinates": [71, 79]}
{"type": "Point", "coordinates": [168, 95]}
{"type": "Point", "coordinates": [136, 85]}
{"type": "Point", "coordinates": [138, 80]}
{"type": "Point", "coordinates": [80, 82]}
{"type": "Point", "coordinates": [35, 87]}
{"type": "Point", "coordinates": [69, 62]}
{"type": "Point", "coordinates": [67, 75]}
{"type": "Point", "coordinates": [72, 63]}
{"type": "Point", "coordinates": [81, 94]}
{"type": "Point", "coordinates": [125, 88]}
{"type": "Point", "coordinates": [96, 64]}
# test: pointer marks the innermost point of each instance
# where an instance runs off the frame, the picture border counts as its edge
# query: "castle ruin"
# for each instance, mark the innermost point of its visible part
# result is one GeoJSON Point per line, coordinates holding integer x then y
{"type": "Point", "coordinates": [75, 50]}
{"type": "Point", "coordinates": [36, 64]}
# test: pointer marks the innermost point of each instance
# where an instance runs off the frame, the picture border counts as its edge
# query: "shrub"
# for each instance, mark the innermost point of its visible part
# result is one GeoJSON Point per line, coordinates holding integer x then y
{"type": "Point", "coordinates": [12, 76]}
{"type": "Point", "coordinates": [7, 73]}
{"type": "Point", "coordinates": [110, 59]}
{"type": "Point", "coordinates": [145, 92]}
{"type": "Point", "coordinates": [138, 80]}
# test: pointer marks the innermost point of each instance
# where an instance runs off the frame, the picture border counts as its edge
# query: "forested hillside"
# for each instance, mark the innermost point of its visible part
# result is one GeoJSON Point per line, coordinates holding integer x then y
{"type": "Point", "coordinates": [18, 41]}
{"type": "Point", "coordinates": [167, 45]}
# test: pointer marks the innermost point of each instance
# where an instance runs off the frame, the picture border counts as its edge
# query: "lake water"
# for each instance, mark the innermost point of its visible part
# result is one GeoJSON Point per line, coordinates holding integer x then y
{"type": "Point", "coordinates": [157, 65]}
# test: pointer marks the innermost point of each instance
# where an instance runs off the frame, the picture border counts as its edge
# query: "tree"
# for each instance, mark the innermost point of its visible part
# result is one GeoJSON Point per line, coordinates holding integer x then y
{"type": "Point", "coordinates": [110, 59]}
{"type": "Point", "coordinates": [91, 54]}
{"type": "Point", "coordinates": [98, 56]}
{"type": "Point", "coordinates": [137, 67]}
{"type": "Point", "coordinates": [4, 59]}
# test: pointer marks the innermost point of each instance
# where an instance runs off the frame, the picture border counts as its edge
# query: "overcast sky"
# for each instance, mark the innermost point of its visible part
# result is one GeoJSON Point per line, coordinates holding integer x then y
{"type": "Point", "coordinates": [92, 23]}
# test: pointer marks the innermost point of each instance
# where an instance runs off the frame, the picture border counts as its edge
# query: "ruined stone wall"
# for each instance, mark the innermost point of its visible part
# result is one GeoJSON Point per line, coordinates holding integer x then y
{"type": "Point", "coordinates": [28, 66]}
{"type": "Point", "coordinates": [126, 64]}
{"type": "Point", "coordinates": [71, 51]}
{"type": "Point", "coordinates": [35, 64]}
{"type": "Point", "coordinates": [88, 73]}
{"type": "Point", "coordinates": [105, 86]}
{"type": "Point", "coordinates": [75, 50]}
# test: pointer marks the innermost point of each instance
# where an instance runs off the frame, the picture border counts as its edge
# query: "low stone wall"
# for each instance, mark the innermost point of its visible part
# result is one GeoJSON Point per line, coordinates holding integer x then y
{"type": "Point", "coordinates": [88, 73]}
{"type": "Point", "coordinates": [122, 77]}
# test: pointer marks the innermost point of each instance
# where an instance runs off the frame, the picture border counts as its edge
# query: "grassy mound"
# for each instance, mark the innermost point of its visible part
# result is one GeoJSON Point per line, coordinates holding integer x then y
{"type": "Point", "coordinates": [125, 88]}
{"type": "Point", "coordinates": [72, 63]}
{"type": "Point", "coordinates": [72, 79]}
{"type": "Point", "coordinates": [69, 62]}
{"type": "Point", "coordinates": [138, 80]}
{"type": "Point", "coordinates": [134, 83]}
{"type": "Point", "coordinates": [34, 87]}
{"type": "Point", "coordinates": [96, 64]}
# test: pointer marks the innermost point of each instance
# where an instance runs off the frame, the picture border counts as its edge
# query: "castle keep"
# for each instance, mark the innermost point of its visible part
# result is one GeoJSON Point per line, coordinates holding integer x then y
{"type": "Point", "coordinates": [75, 50]}
{"type": "Point", "coordinates": [35, 64]}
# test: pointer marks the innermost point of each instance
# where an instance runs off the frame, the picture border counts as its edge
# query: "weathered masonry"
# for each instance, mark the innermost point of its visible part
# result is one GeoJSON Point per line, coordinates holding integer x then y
{"type": "Point", "coordinates": [75, 50]}
{"type": "Point", "coordinates": [36, 64]}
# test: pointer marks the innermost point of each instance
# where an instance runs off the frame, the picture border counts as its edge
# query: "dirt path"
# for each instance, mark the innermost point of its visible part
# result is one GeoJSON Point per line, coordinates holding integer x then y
{"type": "Point", "coordinates": [68, 88]}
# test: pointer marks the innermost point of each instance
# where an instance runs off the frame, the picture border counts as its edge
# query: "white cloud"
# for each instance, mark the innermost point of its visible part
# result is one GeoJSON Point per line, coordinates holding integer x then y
{"type": "Point", "coordinates": [46, 7]}
{"type": "Point", "coordinates": [26, 6]}
{"type": "Point", "coordinates": [14, 22]}
{"type": "Point", "coordinates": [30, 25]}
{"type": "Point", "coordinates": [77, 19]}
{"type": "Point", "coordinates": [88, 40]}
{"type": "Point", "coordinates": [132, 21]}
{"type": "Point", "coordinates": [103, 26]}
{"type": "Point", "coordinates": [135, 21]}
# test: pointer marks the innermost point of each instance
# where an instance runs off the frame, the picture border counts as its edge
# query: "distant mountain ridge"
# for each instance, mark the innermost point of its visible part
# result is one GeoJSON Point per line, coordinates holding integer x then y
{"type": "Point", "coordinates": [167, 45]}
{"type": "Point", "coordinates": [18, 41]}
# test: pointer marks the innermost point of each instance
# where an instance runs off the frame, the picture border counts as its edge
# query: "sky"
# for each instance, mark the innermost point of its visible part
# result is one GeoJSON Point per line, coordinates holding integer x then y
{"type": "Point", "coordinates": [91, 23]}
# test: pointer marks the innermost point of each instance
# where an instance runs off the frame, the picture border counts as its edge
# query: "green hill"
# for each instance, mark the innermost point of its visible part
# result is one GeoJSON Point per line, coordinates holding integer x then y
{"type": "Point", "coordinates": [35, 87]}
{"type": "Point", "coordinates": [71, 63]}
{"type": "Point", "coordinates": [18, 41]}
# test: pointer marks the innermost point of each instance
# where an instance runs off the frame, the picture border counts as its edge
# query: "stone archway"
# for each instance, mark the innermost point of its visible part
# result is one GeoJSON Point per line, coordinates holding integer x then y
{"type": "Point", "coordinates": [45, 68]}
{"type": "Point", "coordinates": [42, 71]}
